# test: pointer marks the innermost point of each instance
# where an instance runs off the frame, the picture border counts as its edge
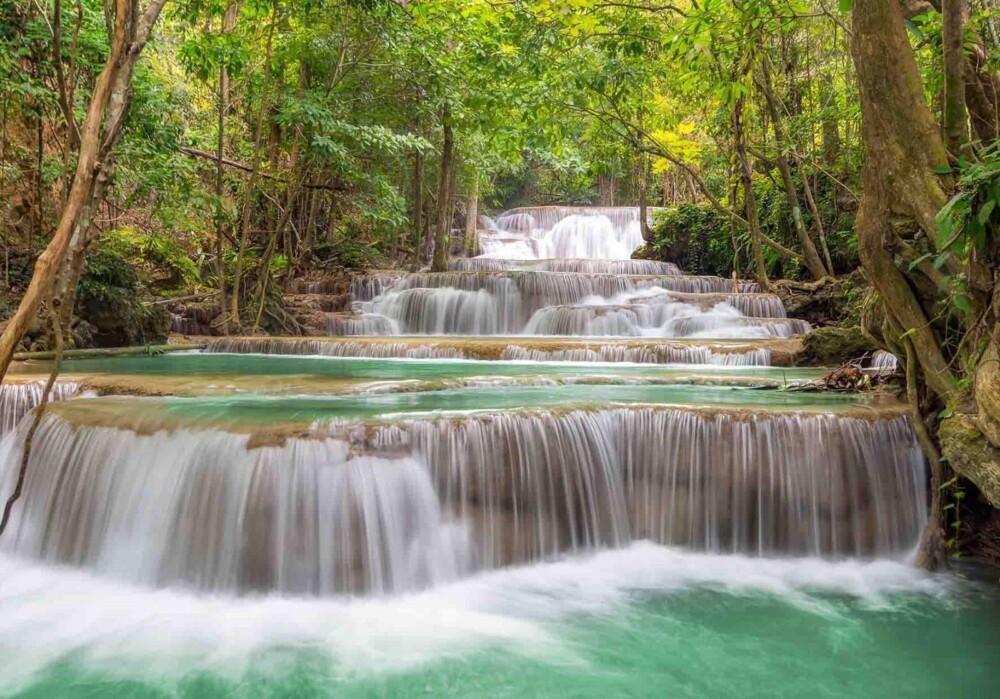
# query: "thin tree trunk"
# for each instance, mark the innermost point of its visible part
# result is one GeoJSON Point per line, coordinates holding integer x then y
{"type": "Point", "coordinates": [810, 257]}
{"type": "Point", "coordinates": [3, 186]}
{"type": "Point", "coordinates": [251, 186]}
{"type": "Point", "coordinates": [955, 126]}
{"type": "Point", "coordinates": [930, 553]}
{"type": "Point", "coordinates": [817, 218]}
{"type": "Point", "coordinates": [440, 259]}
{"type": "Point", "coordinates": [57, 335]}
{"type": "Point", "coordinates": [472, 218]}
{"type": "Point", "coordinates": [643, 204]}
{"type": "Point", "coordinates": [417, 209]}
{"type": "Point", "coordinates": [750, 199]}
{"type": "Point", "coordinates": [228, 22]}
{"type": "Point", "coordinates": [37, 232]}
{"type": "Point", "coordinates": [110, 88]}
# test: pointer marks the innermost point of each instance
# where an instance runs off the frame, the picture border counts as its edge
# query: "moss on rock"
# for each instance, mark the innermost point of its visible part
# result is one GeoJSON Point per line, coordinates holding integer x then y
{"type": "Point", "coordinates": [833, 346]}
{"type": "Point", "coordinates": [971, 455]}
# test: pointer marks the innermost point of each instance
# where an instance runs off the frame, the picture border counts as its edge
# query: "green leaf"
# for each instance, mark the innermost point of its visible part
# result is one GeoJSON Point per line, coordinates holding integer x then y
{"type": "Point", "coordinates": [984, 213]}
{"type": "Point", "coordinates": [845, 6]}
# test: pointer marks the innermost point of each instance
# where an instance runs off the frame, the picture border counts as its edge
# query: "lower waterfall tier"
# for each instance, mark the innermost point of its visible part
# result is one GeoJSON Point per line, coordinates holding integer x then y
{"type": "Point", "coordinates": [386, 507]}
{"type": "Point", "coordinates": [759, 352]}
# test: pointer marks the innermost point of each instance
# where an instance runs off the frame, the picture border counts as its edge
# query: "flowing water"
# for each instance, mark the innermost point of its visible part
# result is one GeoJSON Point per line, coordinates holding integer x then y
{"type": "Point", "coordinates": [558, 271]}
{"type": "Point", "coordinates": [548, 471]}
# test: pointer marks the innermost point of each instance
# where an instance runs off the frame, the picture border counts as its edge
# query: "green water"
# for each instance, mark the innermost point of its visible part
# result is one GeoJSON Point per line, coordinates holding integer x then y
{"type": "Point", "coordinates": [210, 364]}
{"type": "Point", "coordinates": [253, 409]}
{"type": "Point", "coordinates": [644, 622]}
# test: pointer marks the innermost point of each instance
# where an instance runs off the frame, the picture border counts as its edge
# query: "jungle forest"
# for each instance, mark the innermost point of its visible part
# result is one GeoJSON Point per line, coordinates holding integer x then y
{"type": "Point", "coordinates": [499, 347]}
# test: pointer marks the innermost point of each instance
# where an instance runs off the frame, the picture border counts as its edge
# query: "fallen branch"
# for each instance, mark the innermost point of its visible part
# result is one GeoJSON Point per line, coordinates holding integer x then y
{"type": "Point", "coordinates": [110, 352]}
{"type": "Point", "coordinates": [198, 153]}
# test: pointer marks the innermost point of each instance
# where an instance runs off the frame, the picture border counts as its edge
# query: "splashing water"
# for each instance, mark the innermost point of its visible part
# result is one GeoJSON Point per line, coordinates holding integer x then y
{"type": "Point", "coordinates": [610, 233]}
{"type": "Point", "coordinates": [591, 626]}
{"type": "Point", "coordinates": [420, 501]}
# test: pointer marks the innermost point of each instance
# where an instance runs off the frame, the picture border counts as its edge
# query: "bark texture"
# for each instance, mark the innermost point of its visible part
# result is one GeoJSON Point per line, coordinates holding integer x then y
{"type": "Point", "coordinates": [98, 134]}
{"type": "Point", "coordinates": [440, 259]}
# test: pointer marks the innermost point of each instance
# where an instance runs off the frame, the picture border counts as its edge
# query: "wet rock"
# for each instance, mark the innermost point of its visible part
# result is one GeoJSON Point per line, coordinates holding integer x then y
{"type": "Point", "coordinates": [824, 303]}
{"type": "Point", "coordinates": [834, 346]}
{"type": "Point", "coordinates": [971, 455]}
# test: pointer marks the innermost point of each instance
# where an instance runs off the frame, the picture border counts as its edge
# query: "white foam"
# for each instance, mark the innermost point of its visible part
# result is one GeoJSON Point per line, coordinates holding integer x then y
{"type": "Point", "coordinates": [49, 614]}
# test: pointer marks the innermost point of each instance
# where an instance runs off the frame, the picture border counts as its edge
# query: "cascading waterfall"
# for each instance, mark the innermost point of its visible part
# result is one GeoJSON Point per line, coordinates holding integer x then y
{"type": "Point", "coordinates": [883, 362]}
{"type": "Point", "coordinates": [646, 354]}
{"type": "Point", "coordinates": [508, 303]}
{"type": "Point", "coordinates": [564, 232]}
{"type": "Point", "coordinates": [17, 399]}
{"type": "Point", "coordinates": [367, 324]}
{"type": "Point", "coordinates": [346, 348]}
{"type": "Point", "coordinates": [578, 266]}
{"type": "Point", "coordinates": [400, 506]}
{"type": "Point", "coordinates": [558, 271]}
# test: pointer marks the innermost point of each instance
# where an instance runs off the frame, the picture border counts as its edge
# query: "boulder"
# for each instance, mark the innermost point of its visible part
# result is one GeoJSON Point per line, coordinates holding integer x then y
{"type": "Point", "coordinates": [834, 346]}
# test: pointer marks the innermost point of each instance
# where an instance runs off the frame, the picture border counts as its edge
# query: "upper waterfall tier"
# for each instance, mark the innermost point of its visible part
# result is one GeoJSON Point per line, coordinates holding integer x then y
{"type": "Point", "coordinates": [401, 505]}
{"type": "Point", "coordinates": [559, 303]}
{"type": "Point", "coordinates": [584, 266]}
{"type": "Point", "coordinates": [610, 233]}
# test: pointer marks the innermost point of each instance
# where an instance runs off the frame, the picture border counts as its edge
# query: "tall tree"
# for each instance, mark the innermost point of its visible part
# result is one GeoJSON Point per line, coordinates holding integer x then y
{"type": "Point", "coordinates": [99, 132]}
{"type": "Point", "coordinates": [906, 183]}
{"type": "Point", "coordinates": [443, 220]}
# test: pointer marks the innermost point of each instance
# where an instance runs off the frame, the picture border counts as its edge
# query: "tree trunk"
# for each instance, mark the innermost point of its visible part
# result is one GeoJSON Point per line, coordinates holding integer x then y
{"type": "Point", "coordinates": [228, 22]}
{"type": "Point", "coordinates": [108, 99]}
{"type": "Point", "coordinates": [817, 218]}
{"type": "Point", "coordinates": [440, 259]}
{"type": "Point", "coordinates": [810, 257]}
{"type": "Point", "coordinates": [472, 218]}
{"type": "Point", "coordinates": [251, 185]}
{"type": "Point", "coordinates": [954, 125]}
{"type": "Point", "coordinates": [750, 199]}
{"type": "Point", "coordinates": [417, 208]}
{"type": "Point", "coordinates": [982, 93]}
{"type": "Point", "coordinates": [643, 203]}
{"type": "Point", "coordinates": [831, 139]}
{"type": "Point", "coordinates": [902, 149]}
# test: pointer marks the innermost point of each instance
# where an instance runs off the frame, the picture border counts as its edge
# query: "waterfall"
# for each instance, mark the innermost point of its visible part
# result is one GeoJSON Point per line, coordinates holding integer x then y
{"type": "Point", "coordinates": [346, 348]}
{"type": "Point", "coordinates": [578, 266]}
{"type": "Point", "coordinates": [883, 362]}
{"type": "Point", "coordinates": [506, 302]}
{"type": "Point", "coordinates": [17, 399]}
{"type": "Point", "coordinates": [367, 286]}
{"type": "Point", "coordinates": [451, 311]}
{"type": "Point", "coordinates": [564, 232]}
{"type": "Point", "coordinates": [646, 354]}
{"type": "Point", "coordinates": [367, 324]}
{"type": "Point", "coordinates": [403, 505]}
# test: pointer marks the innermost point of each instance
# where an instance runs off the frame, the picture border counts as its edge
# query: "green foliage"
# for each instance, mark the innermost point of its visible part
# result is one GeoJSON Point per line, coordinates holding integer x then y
{"type": "Point", "coordinates": [971, 219]}
{"type": "Point", "coordinates": [158, 259]}
{"type": "Point", "coordinates": [696, 237]}
{"type": "Point", "coordinates": [108, 297]}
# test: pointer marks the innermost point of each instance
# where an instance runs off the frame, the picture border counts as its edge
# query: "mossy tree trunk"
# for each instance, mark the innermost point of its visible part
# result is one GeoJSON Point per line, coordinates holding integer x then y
{"type": "Point", "coordinates": [903, 191]}
{"type": "Point", "coordinates": [440, 259]}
